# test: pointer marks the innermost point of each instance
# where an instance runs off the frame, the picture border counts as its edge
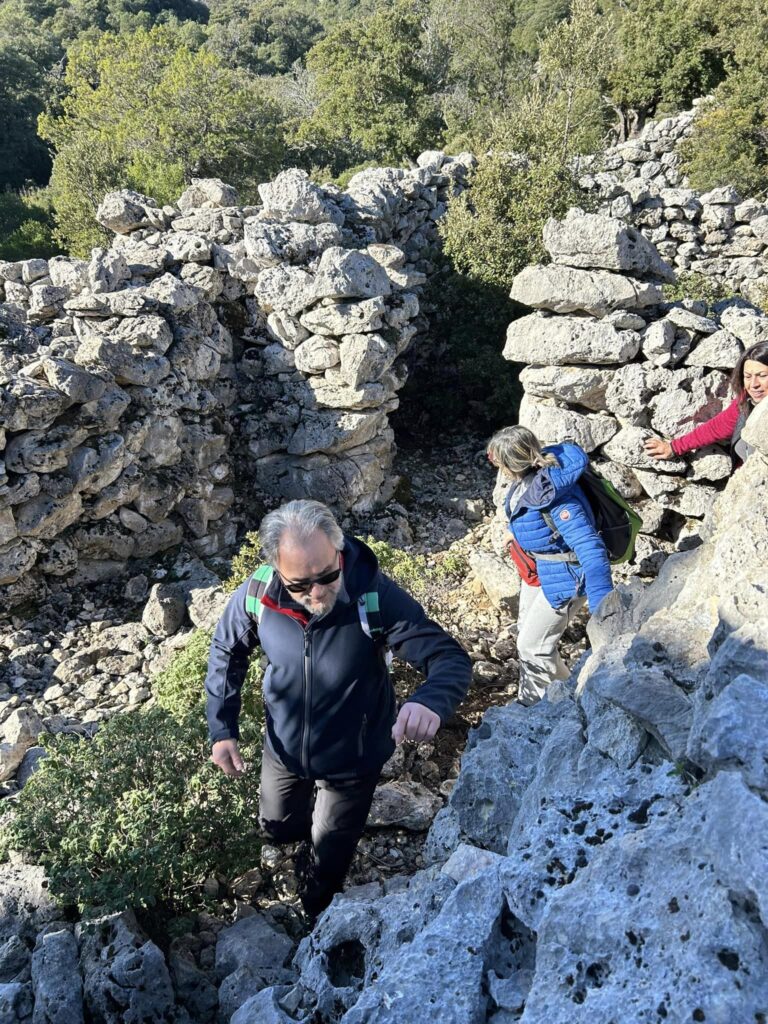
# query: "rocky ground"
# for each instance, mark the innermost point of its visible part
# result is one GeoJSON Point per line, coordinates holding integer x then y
{"type": "Point", "coordinates": [82, 656]}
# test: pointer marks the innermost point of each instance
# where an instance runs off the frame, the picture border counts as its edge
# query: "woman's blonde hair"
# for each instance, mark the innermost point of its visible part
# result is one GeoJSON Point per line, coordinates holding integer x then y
{"type": "Point", "coordinates": [517, 450]}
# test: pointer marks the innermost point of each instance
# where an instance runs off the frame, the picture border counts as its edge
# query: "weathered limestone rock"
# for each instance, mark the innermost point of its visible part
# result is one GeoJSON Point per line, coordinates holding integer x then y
{"type": "Point", "coordinates": [271, 243]}
{"type": "Point", "coordinates": [287, 289]}
{"type": "Point", "coordinates": [551, 424]}
{"type": "Point", "coordinates": [500, 580]}
{"type": "Point", "coordinates": [293, 197]}
{"type": "Point", "coordinates": [364, 357]}
{"type": "Point", "coordinates": [544, 340]}
{"type": "Point", "coordinates": [18, 733]}
{"type": "Point", "coordinates": [45, 517]}
{"type": "Point", "coordinates": [626, 447]}
{"type": "Point", "coordinates": [125, 977]}
{"type": "Point", "coordinates": [334, 431]}
{"type": "Point", "coordinates": [349, 274]}
{"type": "Point", "coordinates": [125, 211]}
{"type": "Point", "coordinates": [339, 318]}
{"type": "Point", "coordinates": [58, 991]}
{"type": "Point", "coordinates": [721, 350]}
{"type": "Point", "coordinates": [403, 804]}
{"type": "Point", "coordinates": [591, 240]}
{"type": "Point", "coordinates": [567, 290]}
{"type": "Point", "coordinates": [207, 193]}
{"type": "Point", "coordinates": [317, 354]}
{"type": "Point", "coordinates": [585, 386]}
{"type": "Point", "coordinates": [165, 609]}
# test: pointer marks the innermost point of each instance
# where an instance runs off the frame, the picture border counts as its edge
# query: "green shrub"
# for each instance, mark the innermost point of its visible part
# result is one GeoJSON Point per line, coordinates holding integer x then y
{"type": "Point", "coordinates": [26, 226]}
{"type": "Point", "coordinates": [426, 581]}
{"type": "Point", "coordinates": [245, 562]}
{"type": "Point", "coordinates": [139, 814]}
{"type": "Point", "coordinates": [493, 230]}
{"type": "Point", "coordinates": [696, 286]}
{"type": "Point", "coordinates": [180, 690]}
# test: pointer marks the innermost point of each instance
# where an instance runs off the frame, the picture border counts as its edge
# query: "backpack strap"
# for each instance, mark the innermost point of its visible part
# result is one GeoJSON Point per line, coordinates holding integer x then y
{"type": "Point", "coordinates": [370, 620]}
{"type": "Point", "coordinates": [555, 556]}
{"type": "Point", "coordinates": [257, 587]}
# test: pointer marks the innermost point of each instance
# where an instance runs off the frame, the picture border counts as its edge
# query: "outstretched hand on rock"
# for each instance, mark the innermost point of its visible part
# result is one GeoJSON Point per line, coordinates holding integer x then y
{"type": "Point", "coordinates": [658, 449]}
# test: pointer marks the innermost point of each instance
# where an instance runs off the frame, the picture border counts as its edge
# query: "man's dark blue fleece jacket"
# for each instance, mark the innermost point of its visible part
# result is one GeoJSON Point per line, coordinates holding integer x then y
{"type": "Point", "coordinates": [329, 702]}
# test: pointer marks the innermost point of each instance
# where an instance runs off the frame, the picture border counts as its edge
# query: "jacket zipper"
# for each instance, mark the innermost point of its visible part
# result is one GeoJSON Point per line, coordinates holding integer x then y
{"type": "Point", "coordinates": [361, 737]}
{"type": "Point", "coordinates": [307, 680]}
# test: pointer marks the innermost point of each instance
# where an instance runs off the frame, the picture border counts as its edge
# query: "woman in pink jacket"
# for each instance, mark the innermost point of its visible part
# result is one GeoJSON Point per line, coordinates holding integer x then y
{"type": "Point", "coordinates": [750, 383]}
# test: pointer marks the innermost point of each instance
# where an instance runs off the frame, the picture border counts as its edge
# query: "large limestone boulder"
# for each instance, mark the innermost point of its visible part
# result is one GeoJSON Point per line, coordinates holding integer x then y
{"type": "Point", "coordinates": [552, 424]}
{"type": "Point", "coordinates": [578, 385]}
{"type": "Point", "coordinates": [19, 732]}
{"type": "Point", "coordinates": [208, 193]}
{"type": "Point", "coordinates": [293, 197]}
{"type": "Point", "coordinates": [565, 289]}
{"type": "Point", "coordinates": [593, 240]}
{"type": "Point", "coordinates": [350, 274]}
{"type": "Point", "coordinates": [270, 243]}
{"type": "Point", "coordinates": [541, 340]}
{"type": "Point", "coordinates": [126, 211]}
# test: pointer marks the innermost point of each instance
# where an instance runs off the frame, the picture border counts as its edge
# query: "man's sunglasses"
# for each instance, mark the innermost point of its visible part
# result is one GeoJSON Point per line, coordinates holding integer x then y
{"type": "Point", "coordinates": [304, 586]}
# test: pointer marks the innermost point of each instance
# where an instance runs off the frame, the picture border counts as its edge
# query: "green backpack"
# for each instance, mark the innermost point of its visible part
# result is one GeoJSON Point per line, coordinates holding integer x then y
{"type": "Point", "coordinates": [616, 521]}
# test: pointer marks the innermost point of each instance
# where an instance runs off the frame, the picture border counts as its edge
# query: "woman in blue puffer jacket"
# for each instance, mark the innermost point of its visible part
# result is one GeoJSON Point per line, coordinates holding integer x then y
{"type": "Point", "coordinates": [551, 519]}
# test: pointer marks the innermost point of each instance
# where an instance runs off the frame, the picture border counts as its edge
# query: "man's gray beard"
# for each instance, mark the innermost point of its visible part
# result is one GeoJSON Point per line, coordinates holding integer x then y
{"type": "Point", "coordinates": [308, 605]}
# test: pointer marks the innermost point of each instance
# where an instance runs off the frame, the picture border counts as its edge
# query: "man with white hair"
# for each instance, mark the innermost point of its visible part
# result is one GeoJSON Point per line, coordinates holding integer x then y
{"type": "Point", "coordinates": [326, 618]}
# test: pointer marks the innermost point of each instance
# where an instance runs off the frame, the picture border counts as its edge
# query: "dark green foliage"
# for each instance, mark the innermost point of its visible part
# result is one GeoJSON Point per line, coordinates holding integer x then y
{"type": "Point", "coordinates": [266, 37]}
{"type": "Point", "coordinates": [494, 230]}
{"type": "Point", "coordinates": [26, 226]}
{"type": "Point", "coordinates": [729, 144]}
{"type": "Point", "coordinates": [469, 382]}
{"type": "Point", "coordinates": [375, 85]}
{"type": "Point", "coordinates": [179, 688]}
{"type": "Point", "coordinates": [150, 111]}
{"type": "Point", "coordinates": [245, 562]}
{"type": "Point", "coordinates": [139, 814]}
{"type": "Point", "coordinates": [670, 54]}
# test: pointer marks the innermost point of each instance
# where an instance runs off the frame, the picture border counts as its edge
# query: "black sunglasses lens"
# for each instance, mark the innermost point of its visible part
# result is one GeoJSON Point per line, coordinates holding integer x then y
{"type": "Point", "coordinates": [304, 588]}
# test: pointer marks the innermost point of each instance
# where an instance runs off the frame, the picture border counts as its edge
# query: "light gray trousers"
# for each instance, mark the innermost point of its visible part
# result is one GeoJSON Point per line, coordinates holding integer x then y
{"type": "Point", "coordinates": [539, 628]}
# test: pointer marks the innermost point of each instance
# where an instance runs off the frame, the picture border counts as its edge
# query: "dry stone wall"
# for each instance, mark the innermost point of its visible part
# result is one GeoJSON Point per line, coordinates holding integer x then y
{"type": "Point", "coordinates": [208, 342]}
{"type": "Point", "coordinates": [719, 233]}
{"type": "Point", "coordinates": [609, 364]}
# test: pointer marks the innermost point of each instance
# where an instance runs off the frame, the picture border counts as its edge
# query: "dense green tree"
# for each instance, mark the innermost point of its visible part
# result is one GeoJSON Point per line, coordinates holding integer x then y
{"type": "Point", "coordinates": [146, 111]}
{"type": "Point", "coordinates": [729, 144]}
{"type": "Point", "coordinates": [376, 84]}
{"type": "Point", "coordinates": [493, 230]}
{"type": "Point", "coordinates": [26, 226]}
{"type": "Point", "coordinates": [27, 56]}
{"type": "Point", "coordinates": [266, 37]}
{"type": "Point", "coordinates": [670, 53]}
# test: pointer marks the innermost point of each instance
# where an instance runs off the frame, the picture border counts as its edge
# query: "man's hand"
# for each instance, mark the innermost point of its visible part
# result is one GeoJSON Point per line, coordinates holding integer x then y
{"type": "Point", "coordinates": [658, 449]}
{"type": "Point", "coordinates": [226, 755]}
{"type": "Point", "coordinates": [415, 722]}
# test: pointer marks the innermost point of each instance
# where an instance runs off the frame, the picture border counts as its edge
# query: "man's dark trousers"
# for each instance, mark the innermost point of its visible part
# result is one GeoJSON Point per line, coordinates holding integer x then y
{"type": "Point", "coordinates": [334, 824]}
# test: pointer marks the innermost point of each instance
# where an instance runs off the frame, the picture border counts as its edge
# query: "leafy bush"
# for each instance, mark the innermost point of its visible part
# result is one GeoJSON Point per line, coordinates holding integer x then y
{"type": "Point", "coordinates": [696, 286]}
{"type": "Point", "coordinates": [180, 690]}
{"type": "Point", "coordinates": [26, 226]}
{"type": "Point", "coordinates": [426, 581]}
{"type": "Point", "coordinates": [138, 814]}
{"type": "Point", "coordinates": [150, 110]}
{"type": "Point", "coordinates": [494, 229]}
{"type": "Point", "coordinates": [245, 562]}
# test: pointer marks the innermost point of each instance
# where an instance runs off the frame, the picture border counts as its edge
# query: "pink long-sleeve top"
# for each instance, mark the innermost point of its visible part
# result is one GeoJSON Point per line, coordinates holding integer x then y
{"type": "Point", "coordinates": [719, 428]}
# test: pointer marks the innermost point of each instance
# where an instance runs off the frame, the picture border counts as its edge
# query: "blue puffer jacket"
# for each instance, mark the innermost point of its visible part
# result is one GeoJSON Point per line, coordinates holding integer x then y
{"type": "Point", "coordinates": [555, 490]}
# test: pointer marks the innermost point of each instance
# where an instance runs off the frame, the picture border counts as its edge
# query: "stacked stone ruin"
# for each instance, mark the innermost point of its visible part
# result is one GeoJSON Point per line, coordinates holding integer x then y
{"type": "Point", "coordinates": [609, 363]}
{"type": "Point", "coordinates": [210, 343]}
{"type": "Point", "coordinates": [714, 233]}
